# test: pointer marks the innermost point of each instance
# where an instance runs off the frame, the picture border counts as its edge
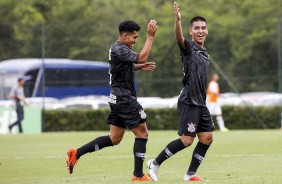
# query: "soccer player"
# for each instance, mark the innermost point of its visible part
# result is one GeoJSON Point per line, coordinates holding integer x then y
{"type": "Point", "coordinates": [213, 104]}
{"type": "Point", "coordinates": [194, 117]}
{"type": "Point", "coordinates": [125, 112]}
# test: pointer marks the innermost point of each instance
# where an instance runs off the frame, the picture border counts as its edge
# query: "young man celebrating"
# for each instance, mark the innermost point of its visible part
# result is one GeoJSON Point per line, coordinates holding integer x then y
{"type": "Point", "coordinates": [125, 112]}
{"type": "Point", "coordinates": [194, 117]}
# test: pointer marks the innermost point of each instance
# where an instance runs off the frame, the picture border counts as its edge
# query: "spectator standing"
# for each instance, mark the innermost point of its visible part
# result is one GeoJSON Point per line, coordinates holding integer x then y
{"type": "Point", "coordinates": [17, 94]}
{"type": "Point", "coordinates": [212, 102]}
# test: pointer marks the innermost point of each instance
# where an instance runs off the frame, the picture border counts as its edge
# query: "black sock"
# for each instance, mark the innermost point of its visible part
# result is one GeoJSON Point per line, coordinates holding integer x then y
{"type": "Point", "coordinates": [139, 151]}
{"type": "Point", "coordinates": [172, 148]}
{"type": "Point", "coordinates": [95, 145]}
{"type": "Point", "coordinates": [197, 157]}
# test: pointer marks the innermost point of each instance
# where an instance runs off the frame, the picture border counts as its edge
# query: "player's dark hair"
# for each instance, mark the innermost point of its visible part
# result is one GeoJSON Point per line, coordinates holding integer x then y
{"type": "Point", "coordinates": [197, 18]}
{"type": "Point", "coordinates": [128, 26]}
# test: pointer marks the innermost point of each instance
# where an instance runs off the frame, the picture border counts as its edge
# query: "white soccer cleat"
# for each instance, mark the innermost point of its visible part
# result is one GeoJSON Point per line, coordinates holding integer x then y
{"type": "Point", "coordinates": [153, 170]}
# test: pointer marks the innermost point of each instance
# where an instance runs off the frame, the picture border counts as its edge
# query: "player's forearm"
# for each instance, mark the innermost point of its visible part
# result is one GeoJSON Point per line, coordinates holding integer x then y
{"type": "Point", "coordinates": [144, 54]}
{"type": "Point", "coordinates": [178, 33]}
{"type": "Point", "coordinates": [22, 98]}
{"type": "Point", "coordinates": [137, 67]}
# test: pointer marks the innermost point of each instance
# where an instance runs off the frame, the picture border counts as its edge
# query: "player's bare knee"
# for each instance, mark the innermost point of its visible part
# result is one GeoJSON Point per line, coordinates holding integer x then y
{"type": "Point", "coordinates": [186, 141]}
{"type": "Point", "coordinates": [146, 134]}
{"type": "Point", "coordinates": [207, 141]}
{"type": "Point", "coordinates": [142, 134]}
{"type": "Point", "coordinates": [141, 131]}
{"type": "Point", "coordinates": [115, 140]}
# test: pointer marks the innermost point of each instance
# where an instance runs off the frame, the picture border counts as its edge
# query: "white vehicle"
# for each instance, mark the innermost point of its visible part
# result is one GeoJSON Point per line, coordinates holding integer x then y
{"type": "Point", "coordinates": [157, 102]}
{"type": "Point", "coordinates": [48, 103]}
{"type": "Point", "coordinates": [86, 102]}
{"type": "Point", "coordinates": [250, 99]}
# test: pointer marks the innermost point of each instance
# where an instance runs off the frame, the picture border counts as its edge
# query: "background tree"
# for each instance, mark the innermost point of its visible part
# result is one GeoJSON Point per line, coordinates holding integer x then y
{"type": "Point", "coordinates": [242, 39]}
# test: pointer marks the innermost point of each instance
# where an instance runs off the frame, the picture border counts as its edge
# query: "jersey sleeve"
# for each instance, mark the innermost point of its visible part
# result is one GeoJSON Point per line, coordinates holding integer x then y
{"type": "Point", "coordinates": [187, 50]}
{"type": "Point", "coordinates": [127, 55]}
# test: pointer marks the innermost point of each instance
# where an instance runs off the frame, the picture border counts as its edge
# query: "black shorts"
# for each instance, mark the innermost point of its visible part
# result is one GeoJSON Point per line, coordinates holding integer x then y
{"type": "Point", "coordinates": [193, 119]}
{"type": "Point", "coordinates": [127, 115]}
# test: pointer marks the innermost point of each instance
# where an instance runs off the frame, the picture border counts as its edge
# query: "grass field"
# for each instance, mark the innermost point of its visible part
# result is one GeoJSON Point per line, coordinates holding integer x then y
{"type": "Point", "coordinates": [236, 157]}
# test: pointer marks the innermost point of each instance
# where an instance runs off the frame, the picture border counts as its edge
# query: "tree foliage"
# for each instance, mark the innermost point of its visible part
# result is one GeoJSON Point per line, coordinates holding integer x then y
{"type": "Point", "coordinates": [242, 36]}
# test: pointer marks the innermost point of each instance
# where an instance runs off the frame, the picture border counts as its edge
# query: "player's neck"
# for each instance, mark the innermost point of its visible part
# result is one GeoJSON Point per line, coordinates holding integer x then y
{"type": "Point", "coordinates": [199, 44]}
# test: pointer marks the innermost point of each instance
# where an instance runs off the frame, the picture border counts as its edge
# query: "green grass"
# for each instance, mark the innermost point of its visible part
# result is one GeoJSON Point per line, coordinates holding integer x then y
{"type": "Point", "coordinates": [236, 157]}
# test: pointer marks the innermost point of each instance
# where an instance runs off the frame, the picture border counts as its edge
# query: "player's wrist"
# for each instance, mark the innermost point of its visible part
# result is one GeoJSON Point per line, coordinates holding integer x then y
{"type": "Point", "coordinates": [150, 36]}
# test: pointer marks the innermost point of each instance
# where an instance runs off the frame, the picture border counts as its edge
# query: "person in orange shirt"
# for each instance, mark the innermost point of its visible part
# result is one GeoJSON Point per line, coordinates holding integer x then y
{"type": "Point", "coordinates": [212, 102]}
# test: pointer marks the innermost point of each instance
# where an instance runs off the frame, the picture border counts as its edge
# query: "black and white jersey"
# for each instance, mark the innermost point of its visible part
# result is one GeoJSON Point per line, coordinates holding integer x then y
{"type": "Point", "coordinates": [121, 72]}
{"type": "Point", "coordinates": [195, 67]}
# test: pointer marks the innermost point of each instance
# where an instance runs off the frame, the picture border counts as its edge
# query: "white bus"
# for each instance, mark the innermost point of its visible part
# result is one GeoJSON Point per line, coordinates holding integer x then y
{"type": "Point", "coordinates": [58, 78]}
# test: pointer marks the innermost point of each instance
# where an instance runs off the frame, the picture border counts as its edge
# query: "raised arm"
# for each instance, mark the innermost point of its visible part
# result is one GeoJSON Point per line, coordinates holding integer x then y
{"type": "Point", "coordinates": [178, 28]}
{"type": "Point", "coordinates": [151, 30]}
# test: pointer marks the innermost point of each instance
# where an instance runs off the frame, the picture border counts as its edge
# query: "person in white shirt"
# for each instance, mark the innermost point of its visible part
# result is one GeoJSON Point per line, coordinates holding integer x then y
{"type": "Point", "coordinates": [212, 101]}
{"type": "Point", "coordinates": [17, 94]}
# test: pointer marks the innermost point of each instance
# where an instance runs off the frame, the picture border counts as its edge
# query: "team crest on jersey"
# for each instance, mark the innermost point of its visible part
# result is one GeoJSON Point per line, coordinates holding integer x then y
{"type": "Point", "coordinates": [191, 127]}
{"type": "Point", "coordinates": [142, 114]}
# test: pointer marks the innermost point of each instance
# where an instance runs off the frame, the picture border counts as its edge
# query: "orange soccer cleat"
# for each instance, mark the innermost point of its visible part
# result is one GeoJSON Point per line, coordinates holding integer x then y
{"type": "Point", "coordinates": [193, 178]}
{"type": "Point", "coordinates": [146, 177]}
{"type": "Point", "coordinates": [71, 160]}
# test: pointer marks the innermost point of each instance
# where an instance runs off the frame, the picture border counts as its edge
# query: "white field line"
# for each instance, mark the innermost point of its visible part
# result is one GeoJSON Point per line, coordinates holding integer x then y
{"type": "Point", "coordinates": [131, 156]}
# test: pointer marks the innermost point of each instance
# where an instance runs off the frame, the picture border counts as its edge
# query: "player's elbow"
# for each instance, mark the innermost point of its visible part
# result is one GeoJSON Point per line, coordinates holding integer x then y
{"type": "Point", "coordinates": [180, 42]}
{"type": "Point", "coordinates": [141, 59]}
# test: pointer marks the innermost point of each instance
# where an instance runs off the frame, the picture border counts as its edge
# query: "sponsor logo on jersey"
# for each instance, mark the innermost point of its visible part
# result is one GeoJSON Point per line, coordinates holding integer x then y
{"type": "Point", "coordinates": [113, 99]}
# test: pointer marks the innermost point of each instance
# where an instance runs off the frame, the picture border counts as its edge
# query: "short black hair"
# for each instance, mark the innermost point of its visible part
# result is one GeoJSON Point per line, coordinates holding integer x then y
{"type": "Point", "coordinates": [20, 79]}
{"type": "Point", "coordinates": [197, 18]}
{"type": "Point", "coordinates": [128, 26]}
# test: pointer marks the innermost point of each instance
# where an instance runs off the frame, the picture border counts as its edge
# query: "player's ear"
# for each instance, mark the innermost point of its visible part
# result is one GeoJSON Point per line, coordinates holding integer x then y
{"type": "Point", "coordinates": [190, 30]}
{"type": "Point", "coordinates": [123, 35]}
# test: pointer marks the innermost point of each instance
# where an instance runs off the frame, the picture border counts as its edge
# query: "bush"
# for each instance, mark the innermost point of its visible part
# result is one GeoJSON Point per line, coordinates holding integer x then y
{"type": "Point", "coordinates": [251, 117]}
{"type": "Point", "coordinates": [160, 119]}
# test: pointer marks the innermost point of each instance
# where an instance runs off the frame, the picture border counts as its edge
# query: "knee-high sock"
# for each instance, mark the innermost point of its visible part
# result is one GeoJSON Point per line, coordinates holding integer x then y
{"type": "Point", "coordinates": [172, 148]}
{"type": "Point", "coordinates": [95, 145]}
{"type": "Point", "coordinates": [197, 157]}
{"type": "Point", "coordinates": [139, 151]}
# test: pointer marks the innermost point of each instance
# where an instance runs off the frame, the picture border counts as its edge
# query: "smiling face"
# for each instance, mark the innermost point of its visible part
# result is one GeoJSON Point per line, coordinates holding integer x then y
{"type": "Point", "coordinates": [198, 32]}
{"type": "Point", "coordinates": [129, 38]}
{"type": "Point", "coordinates": [128, 32]}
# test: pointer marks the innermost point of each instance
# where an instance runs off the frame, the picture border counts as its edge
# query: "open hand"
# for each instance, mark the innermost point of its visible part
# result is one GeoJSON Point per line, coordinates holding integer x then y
{"type": "Point", "coordinates": [152, 28]}
{"type": "Point", "coordinates": [176, 11]}
{"type": "Point", "coordinates": [148, 66]}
